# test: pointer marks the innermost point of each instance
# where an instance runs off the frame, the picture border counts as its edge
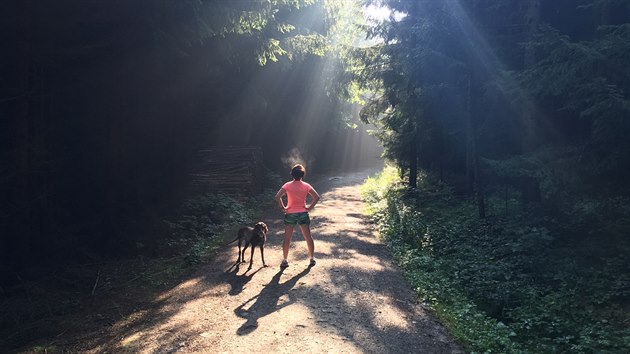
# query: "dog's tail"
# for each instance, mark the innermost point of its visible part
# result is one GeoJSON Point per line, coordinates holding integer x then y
{"type": "Point", "coordinates": [228, 233]}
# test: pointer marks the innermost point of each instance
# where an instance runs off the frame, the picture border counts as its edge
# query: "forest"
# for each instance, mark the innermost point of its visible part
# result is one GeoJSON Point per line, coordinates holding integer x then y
{"type": "Point", "coordinates": [503, 125]}
{"type": "Point", "coordinates": [104, 105]}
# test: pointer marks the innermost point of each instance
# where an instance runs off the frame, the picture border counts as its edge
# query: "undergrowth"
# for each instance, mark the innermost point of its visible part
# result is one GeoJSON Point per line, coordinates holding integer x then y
{"type": "Point", "coordinates": [35, 315]}
{"type": "Point", "coordinates": [506, 284]}
{"type": "Point", "coordinates": [205, 222]}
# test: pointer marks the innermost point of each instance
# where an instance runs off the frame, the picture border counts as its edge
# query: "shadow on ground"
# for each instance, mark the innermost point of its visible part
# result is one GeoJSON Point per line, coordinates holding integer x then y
{"type": "Point", "coordinates": [361, 296]}
{"type": "Point", "coordinates": [267, 301]}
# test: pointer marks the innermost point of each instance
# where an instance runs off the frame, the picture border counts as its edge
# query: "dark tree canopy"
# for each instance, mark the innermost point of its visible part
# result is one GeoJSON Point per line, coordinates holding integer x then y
{"type": "Point", "coordinates": [520, 110]}
{"type": "Point", "coordinates": [104, 104]}
{"type": "Point", "coordinates": [527, 88]}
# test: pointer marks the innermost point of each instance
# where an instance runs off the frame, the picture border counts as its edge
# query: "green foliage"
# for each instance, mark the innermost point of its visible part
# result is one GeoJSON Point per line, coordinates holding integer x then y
{"type": "Point", "coordinates": [421, 78]}
{"type": "Point", "coordinates": [200, 226]}
{"type": "Point", "coordinates": [587, 81]}
{"type": "Point", "coordinates": [204, 215]}
{"type": "Point", "coordinates": [44, 349]}
{"type": "Point", "coordinates": [200, 73]}
{"type": "Point", "coordinates": [269, 28]}
{"type": "Point", "coordinates": [544, 101]}
{"type": "Point", "coordinates": [549, 167]}
{"type": "Point", "coordinates": [534, 92]}
{"type": "Point", "coordinates": [505, 284]}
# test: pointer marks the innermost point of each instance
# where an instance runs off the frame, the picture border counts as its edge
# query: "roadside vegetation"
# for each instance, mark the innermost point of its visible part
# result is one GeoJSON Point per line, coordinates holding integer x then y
{"type": "Point", "coordinates": [206, 222]}
{"type": "Point", "coordinates": [36, 314]}
{"type": "Point", "coordinates": [508, 283]}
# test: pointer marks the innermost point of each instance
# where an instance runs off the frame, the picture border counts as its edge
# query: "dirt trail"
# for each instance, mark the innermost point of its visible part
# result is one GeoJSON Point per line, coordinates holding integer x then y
{"type": "Point", "coordinates": [354, 300]}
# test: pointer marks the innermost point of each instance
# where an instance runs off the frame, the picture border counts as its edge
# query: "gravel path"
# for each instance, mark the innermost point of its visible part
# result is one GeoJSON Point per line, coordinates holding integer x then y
{"type": "Point", "coordinates": [354, 300]}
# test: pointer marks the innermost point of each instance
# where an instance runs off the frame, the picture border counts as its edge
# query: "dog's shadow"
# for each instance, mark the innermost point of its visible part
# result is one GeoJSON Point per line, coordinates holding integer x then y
{"type": "Point", "coordinates": [266, 301]}
{"type": "Point", "coordinates": [237, 282]}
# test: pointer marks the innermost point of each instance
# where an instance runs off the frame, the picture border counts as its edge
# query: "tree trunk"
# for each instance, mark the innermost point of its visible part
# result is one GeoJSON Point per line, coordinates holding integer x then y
{"type": "Point", "coordinates": [19, 239]}
{"type": "Point", "coordinates": [481, 203]}
{"type": "Point", "coordinates": [441, 152]}
{"type": "Point", "coordinates": [532, 20]}
{"type": "Point", "coordinates": [413, 161]}
{"type": "Point", "coordinates": [474, 157]}
{"type": "Point", "coordinates": [469, 161]}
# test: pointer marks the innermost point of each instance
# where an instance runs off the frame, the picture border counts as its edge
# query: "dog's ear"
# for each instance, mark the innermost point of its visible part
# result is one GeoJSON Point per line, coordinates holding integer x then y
{"type": "Point", "coordinates": [262, 226]}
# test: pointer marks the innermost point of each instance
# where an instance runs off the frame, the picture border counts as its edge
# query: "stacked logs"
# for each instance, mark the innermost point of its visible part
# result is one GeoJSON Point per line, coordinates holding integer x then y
{"type": "Point", "coordinates": [235, 170]}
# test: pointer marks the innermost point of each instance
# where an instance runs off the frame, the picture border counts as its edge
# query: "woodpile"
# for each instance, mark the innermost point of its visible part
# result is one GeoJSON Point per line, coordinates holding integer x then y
{"type": "Point", "coordinates": [235, 170]}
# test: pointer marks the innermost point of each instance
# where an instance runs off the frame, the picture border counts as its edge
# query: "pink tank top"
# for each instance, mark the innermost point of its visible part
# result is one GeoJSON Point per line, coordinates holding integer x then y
{"type": "Point", "coordinates": [296, 196]}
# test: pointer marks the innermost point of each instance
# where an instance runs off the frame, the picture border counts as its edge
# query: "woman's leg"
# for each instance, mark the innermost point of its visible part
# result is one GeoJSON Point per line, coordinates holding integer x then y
{"type": "Point", "coordinates": [306, 232]}
{"type": "Point", "coordinates": [288, 233]}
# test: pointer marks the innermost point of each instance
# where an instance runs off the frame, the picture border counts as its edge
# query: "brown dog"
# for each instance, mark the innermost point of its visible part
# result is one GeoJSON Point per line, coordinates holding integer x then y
{"type": "Point", "coordinates": [254, 236]}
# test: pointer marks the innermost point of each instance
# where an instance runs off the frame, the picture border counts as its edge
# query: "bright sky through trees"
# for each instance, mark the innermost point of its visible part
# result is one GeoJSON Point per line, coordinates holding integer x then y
{"type": "Point", "coordinates": [376, 12]}
{"type": "Point", "coordinates": [380, 13]}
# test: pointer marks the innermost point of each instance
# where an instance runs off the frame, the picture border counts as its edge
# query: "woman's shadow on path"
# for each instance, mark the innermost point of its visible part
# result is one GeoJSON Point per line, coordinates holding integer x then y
{"type": "Point", "coordinates": [266, 301]}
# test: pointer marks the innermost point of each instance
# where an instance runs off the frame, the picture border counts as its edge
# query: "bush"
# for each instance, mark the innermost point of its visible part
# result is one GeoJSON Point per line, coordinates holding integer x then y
{"type": "Point", "coordinates": [202, 221]}
{"type": "Point", "coordinates": [506, 284]}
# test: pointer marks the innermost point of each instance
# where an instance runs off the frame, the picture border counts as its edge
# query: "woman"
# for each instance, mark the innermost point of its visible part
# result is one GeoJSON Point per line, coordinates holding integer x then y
{"type": "Point", "coordinates": [296, 211]}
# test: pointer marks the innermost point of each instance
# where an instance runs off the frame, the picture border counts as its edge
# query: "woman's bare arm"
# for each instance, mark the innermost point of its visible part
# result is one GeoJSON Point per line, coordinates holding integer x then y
{"type": "Point", "coordinates": [279, 200]}
{"type": "Point", "coordinates": [313, 193]}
